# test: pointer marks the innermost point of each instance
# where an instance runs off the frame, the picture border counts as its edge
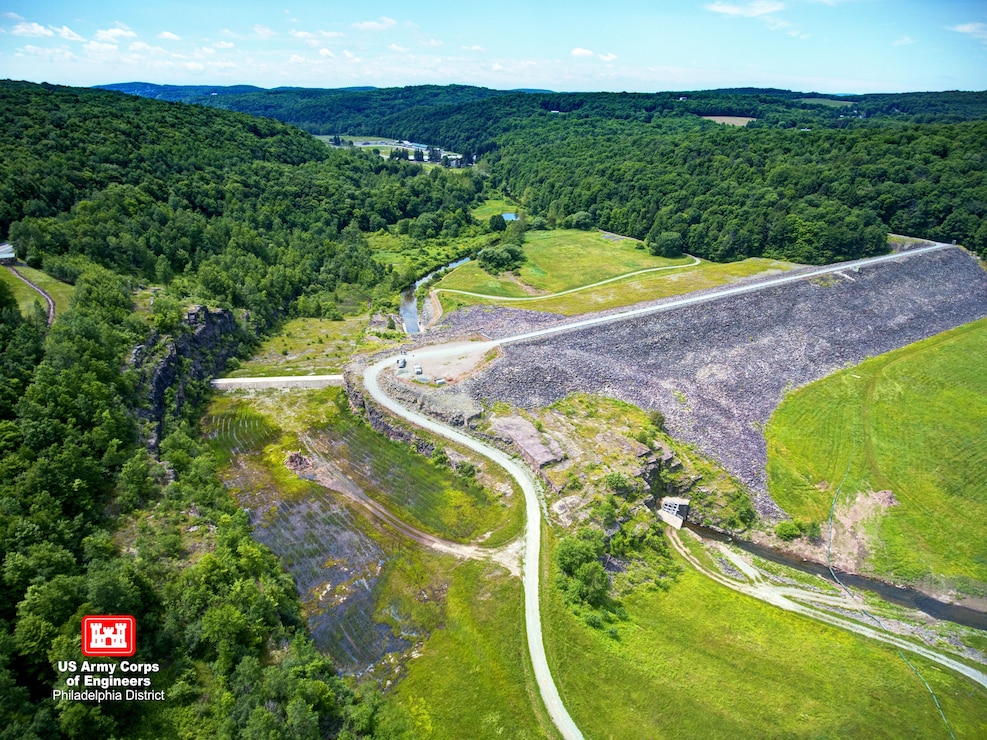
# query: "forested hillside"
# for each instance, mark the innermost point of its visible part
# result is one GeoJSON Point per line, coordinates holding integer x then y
{"type": "Point", "coordinates": [810, 179]}
{"type": "Point", "coordinates": [108, 191]}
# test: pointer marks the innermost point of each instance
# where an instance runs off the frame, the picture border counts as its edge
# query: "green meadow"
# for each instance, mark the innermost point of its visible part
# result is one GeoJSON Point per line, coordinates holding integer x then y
{"type": "Point", "coordinates": [701, 660]}
{"type": "Point", "coordinates": [562, 260]}
{"type": "Point", "coordinates": [26, 296]}
{"type": "Point", "coordinates": [913, 422]}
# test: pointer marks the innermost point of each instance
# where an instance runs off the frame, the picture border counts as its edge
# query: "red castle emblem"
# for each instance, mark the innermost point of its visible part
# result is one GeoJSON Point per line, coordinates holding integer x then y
{"type": "Point", "coordinates": [111, 636]}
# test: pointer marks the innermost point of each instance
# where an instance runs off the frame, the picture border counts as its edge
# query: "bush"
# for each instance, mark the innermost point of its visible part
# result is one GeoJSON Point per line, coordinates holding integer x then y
{"type": "Point", "coordinates": [788, 531]}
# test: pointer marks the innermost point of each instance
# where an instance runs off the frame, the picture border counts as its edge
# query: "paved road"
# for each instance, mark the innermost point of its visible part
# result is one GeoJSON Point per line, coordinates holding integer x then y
{"type": "Point", "coordinates": [279, 381]}
{"type": "Point", "coordinates": [695, 261]}
{"type": "Point", "coordinates": [532, 538]}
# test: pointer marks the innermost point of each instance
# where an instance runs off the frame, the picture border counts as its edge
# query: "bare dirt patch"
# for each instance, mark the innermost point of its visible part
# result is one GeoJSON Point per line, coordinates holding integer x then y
{"type": "Point", "coordinates": [730, 120]}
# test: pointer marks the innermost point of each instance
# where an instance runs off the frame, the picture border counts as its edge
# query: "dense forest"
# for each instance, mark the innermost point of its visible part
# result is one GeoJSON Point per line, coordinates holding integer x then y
{"type": "Point", "coordinates": [811, 179]}
{"type": "Point", "coordinates": [112, 192]}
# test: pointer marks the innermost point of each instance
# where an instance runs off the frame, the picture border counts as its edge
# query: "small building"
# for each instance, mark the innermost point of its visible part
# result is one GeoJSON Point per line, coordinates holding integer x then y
{"type": "Point", "coordinates": [7, 256]}
{"type": "Point", "coordinates": [674, 511]}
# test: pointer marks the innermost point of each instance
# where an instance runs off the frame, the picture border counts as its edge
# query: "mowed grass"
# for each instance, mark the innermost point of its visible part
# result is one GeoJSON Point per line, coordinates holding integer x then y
{"type": "Point", "coordinates": [306, 347]}
{"type": "Point", "coordinates": [26, 296]}
{"type": "Point", "coordinates": [704, 661]}
{"type": "Point", "coordinates": [565, 259]}
{"type": "Point", "coordinates": [493, 207]}
{"type": "Point", "coordinates": [913, 422]}
{"type": "Point", "coordinates": [473, 678]}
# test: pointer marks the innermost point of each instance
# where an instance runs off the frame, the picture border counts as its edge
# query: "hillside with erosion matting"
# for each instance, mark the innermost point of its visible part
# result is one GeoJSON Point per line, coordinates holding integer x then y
{"type": "Point", "coordinates": [717, 370]}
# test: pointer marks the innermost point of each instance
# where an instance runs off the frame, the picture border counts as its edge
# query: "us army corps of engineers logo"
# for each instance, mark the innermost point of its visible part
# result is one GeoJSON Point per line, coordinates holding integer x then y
{"type": "Point", "coordinates": [107, 636]}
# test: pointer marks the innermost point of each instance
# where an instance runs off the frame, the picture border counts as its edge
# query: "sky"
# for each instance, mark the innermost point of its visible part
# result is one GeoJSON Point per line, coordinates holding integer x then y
{"type": "Point", "coordinates": [828, 46]}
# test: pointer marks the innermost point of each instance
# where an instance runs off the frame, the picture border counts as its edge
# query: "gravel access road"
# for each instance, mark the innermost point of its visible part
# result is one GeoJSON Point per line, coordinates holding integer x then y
{"type": "Point", "coordinates": [532, 536]}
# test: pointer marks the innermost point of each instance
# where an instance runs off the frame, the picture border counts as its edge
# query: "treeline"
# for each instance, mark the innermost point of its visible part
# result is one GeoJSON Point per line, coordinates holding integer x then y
{"type": "Point", "coordinates": [810, 180]}
{"type": "Point", "coordinates": [807, 196]}
{"type": "Point", "coordinates": [235, 210]}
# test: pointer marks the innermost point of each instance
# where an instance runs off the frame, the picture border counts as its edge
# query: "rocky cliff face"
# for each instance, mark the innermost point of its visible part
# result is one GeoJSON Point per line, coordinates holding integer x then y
{"type": "Point", "coordinates": [174, 369]}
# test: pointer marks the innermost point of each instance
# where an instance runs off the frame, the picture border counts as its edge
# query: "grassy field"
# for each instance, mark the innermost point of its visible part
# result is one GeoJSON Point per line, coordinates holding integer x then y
{"type": "Point", "coordinates": [703, 661]}
{"type": "Point", "coordinates": [306, 347]}
{"type": "Point", "coordinates": [565, 259]}
{"type": "Point", "coordinates": [406, 254]}
{"type": "Point", "coordinates": [473, 677]}
{"type": "Point", "coordinates": [493, 206]}
{"type": "Point", "coordinates": [912, 422]}
{"type": "Point", "coordinates": [60, 292]}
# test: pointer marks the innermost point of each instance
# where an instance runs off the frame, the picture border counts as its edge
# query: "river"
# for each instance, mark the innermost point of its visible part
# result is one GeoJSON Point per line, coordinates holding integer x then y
{"type": "Point", "coordinates": [902, 596]}
{"type": "Point", "coordinates": [409, 301]}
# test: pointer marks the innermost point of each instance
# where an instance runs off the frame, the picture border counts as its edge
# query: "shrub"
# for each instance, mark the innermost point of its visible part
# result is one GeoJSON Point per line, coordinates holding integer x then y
{"type": "Point", "coordinates": [788, 531]}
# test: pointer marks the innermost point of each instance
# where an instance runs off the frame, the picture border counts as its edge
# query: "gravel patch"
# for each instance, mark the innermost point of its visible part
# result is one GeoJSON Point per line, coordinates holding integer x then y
{"type": "Point", "coordinates": [718, 370]}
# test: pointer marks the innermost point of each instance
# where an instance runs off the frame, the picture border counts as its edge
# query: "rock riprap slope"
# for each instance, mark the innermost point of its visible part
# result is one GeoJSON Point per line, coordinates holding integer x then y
{"type": "Point", "coordinates": [719, 369]}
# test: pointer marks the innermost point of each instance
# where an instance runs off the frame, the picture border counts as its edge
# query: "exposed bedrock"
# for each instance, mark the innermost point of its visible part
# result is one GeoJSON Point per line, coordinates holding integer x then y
{"type": "Point", "coordinates": [718, 370]}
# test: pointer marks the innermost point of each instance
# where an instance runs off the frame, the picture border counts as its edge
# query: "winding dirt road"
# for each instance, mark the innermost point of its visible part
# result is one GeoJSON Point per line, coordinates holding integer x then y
{"type": "Point", "coordinates": [48, 298]}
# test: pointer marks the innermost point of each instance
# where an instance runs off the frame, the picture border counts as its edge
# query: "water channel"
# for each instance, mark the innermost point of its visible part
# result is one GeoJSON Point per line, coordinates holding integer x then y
{"type": "Point", "coordinates": [409, 301]}
{"type": "Point", "coordinates": [902, 596]}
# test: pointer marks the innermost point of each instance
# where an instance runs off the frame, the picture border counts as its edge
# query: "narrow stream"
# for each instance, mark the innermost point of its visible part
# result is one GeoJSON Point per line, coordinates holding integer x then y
{"type": "Point", "coordinates": [409, 304]}
{"type": "Point", "coordinates": [902, 596]}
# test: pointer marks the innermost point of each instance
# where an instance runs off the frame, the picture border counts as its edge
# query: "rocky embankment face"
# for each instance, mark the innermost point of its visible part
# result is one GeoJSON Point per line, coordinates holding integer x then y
{"type": "Point", "coordinates": [171, 366]}
{"type": "Point", "coordinates": [718, 370]}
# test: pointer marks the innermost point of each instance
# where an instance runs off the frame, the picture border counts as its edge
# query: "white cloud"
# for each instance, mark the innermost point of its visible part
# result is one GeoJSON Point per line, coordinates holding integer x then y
{"type": "Point", "coordinates": [140, 46]}
{"type": "Point", "coordinates": [607, 57]}
{"type": "Point", "coordinates": [580, 52]}
{"type": "Point", "coordinates": [751, 10]}
{"type": "Point", "coordinates": [264, 31]}
{"type": "Point", "coordinates": [903, 41]}
{"type": "Point", "coordinates": [169, 36]}
{"type": "Point", "coordinates": [474, 47]}
{"type": "Point", "coordinates": [31, 29]}
{"type": "Point", "coordinates": [99, 51]}
{"type": "Point", "coordinates": [67, 33]}
{"type": "Point", "coordinates": [224, 44]}
{"type": "Point", "coordinates": [350, 55]}
{"type": "Point", "coordinates": [59, 54]}
{"type": "Point", "coordinates": [13, 17]}
{"type": "Point", "coordinates": [973, 30]}
{"type": "Point", "coordinates": [433, 43]}
{"type": "Point", "coordinates": [194, 66]}
{"type": "Point", "coordinates": [113, 35]}
{"type": "Point", "coordinates": [307, 36]}
{"type": "Point", "coordinates": [297, 59]}
{"type": "Point", "coordinates": [395, 47]}
{"type": "Point", "coordinates": [326, 53]}
{"type": "Point", "coordinates": [382, 25]}
{"type": "Point", "coordinates": [207, 50]}
{"type": "Point", "coordinates": [332, 34]}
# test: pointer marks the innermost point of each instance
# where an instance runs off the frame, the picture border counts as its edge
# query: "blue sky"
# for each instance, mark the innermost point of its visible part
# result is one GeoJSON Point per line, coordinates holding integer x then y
{"type": "Point", "coordinates": [835, 46]}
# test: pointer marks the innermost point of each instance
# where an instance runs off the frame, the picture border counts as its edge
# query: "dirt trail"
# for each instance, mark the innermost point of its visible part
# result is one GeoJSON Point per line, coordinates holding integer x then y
{"type": "Point", "coordinates": [48, 299]}
{"type": "Point", "coordinates": [325, 473]}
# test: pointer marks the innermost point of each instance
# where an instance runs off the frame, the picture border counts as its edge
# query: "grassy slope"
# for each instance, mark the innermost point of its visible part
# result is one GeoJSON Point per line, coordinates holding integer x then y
{"type": "Point", "coordinates": [306, 347]}
{"type": "Point", "coordinates": [561, 260]}
{"type": "Point", "coordinates": [473, 677]}
{"type": "Point", "coordinates": [911, 421]}
{"type": "Point", "coordinates": [704, 661]}
{"type": "Point", "coordinates": [26, 296]}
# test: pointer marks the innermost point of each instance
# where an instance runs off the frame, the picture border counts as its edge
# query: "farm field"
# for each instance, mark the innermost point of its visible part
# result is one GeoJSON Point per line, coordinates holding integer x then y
{"type": "Point", "coordinates": [703, 661]}
{"type": "Point", "coordinates": [910, 422]}
{"type": "Point", "coordinates": [730, 120]}
{"type": "Point", "coordinates": [494, 206]}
